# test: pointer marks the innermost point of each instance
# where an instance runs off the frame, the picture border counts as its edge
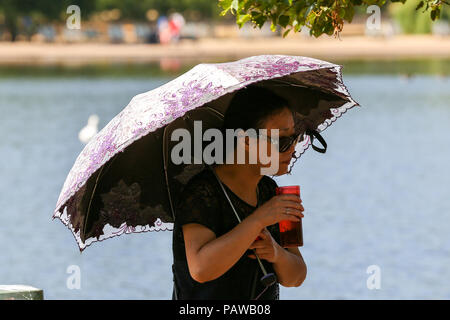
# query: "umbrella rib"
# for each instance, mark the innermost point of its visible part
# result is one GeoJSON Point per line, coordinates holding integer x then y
{"type": "Point", "coordinates": [90, 201]}
{"type": "Point", "coordinates": [165, 171]}
{"type": "Point", "coordinates": [215, 111]}
{"type": "Point", "coordinates": [290, 84]}
{"type": "Point", "coordinates": [93, 192]}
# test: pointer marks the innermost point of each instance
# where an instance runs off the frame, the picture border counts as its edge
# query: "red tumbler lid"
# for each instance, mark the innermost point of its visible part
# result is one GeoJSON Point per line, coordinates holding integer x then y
{"type": "Point", "coordinates": [288, 190]}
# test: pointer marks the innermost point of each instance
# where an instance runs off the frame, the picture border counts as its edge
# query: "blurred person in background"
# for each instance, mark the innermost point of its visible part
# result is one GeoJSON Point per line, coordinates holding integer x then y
{"type": "Point", "coordinates": [176, 23]}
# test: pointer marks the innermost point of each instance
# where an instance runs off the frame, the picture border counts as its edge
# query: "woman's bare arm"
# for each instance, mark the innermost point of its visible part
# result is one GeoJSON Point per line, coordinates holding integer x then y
{"type": "Point", "coordinates": [290, 267]}
{"type": "Point", "coordinates": [210, 257]}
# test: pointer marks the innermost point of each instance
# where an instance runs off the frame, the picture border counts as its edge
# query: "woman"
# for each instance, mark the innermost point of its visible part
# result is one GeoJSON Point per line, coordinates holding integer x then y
{"type": "Point", "coordinates": [212, 251]}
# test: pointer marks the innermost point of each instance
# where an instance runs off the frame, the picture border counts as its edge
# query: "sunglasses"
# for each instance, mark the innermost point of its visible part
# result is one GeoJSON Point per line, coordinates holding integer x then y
{"type": "Point", "coordinates": [284, 143]}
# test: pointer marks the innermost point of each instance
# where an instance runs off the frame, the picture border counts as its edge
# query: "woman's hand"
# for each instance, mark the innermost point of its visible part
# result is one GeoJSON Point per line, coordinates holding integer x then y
{"type": "Point", "coordinates": [266, 248]}
{"type": "Point", "coordinates": [278, 208]}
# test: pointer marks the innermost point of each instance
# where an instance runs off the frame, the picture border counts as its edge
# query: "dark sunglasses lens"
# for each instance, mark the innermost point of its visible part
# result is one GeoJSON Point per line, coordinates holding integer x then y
{"type": "Point", "coordinates": [286, 142]}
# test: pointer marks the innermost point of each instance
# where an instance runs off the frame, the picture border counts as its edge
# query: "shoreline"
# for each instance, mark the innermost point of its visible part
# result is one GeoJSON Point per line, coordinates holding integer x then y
{"type": "Point", "coordinates": [346, 48]}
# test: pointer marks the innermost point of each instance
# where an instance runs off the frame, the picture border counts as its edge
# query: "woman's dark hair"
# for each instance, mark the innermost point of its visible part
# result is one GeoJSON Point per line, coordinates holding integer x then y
{"type": "Point", "coordinates": [251, 107]}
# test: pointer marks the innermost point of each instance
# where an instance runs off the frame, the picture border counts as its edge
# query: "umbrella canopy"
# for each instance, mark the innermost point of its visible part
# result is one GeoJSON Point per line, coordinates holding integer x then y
{"type": "Point", "coordinates": [123, 180]}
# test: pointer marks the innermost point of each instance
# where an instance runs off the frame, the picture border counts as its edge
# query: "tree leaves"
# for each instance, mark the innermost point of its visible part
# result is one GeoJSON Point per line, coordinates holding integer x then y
{"type": "Point", "coordinates": [321, 17]}
{"type": "Point", "coordinates": [235, 5]}
{"type": "Point", "coordinates": [283, 20]}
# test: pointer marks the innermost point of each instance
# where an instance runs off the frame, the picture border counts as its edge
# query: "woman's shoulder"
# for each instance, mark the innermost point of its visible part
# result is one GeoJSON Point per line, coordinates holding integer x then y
{"type": "Point", "coordinates": [267, 186]}
{"type": "Point", "coordinates": [204, 181]}
{"type": "Point", "coordinates": [269, 182]}
{"type": "Point", "coordinates": [199, 203]}
{"type": "Point", "coordinates": [204, 175]}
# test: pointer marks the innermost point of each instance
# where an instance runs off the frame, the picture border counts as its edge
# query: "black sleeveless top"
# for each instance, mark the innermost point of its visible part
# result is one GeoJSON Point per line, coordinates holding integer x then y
{"type": "Point", "coordinates": [203, 201]}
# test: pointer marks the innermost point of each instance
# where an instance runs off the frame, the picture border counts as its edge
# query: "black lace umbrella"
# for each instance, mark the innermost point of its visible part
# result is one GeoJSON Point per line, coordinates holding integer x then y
{"type": "Point", "coordinates": [124, 180]}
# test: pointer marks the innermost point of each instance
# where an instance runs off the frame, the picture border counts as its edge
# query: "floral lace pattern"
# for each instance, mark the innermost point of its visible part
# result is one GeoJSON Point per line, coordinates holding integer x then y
{"type": "Point", "coordinates": [154, 109]}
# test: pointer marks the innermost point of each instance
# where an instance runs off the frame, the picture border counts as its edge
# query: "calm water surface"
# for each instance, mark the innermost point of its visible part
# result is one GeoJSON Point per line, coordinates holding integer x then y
{"type": "Point", "coordinates": [379, 196]}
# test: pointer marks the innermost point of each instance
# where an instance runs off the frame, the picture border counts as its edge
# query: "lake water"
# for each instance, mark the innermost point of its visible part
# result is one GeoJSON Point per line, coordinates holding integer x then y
{"type": "Point", "coordinates": [378, 197]}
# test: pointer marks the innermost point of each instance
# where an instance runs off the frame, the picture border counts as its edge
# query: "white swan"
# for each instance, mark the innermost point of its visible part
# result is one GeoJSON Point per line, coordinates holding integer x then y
{"type": "Point", "coordinates": [89, 130]}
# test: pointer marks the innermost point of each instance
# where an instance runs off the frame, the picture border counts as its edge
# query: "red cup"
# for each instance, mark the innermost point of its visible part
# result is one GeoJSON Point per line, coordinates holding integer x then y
{"type": "Point", "coordinates": [291, 233]}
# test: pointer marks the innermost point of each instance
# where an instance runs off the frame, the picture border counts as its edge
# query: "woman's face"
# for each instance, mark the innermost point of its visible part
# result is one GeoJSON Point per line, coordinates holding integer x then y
{"type": "Point", "coordinates": [284, 122]}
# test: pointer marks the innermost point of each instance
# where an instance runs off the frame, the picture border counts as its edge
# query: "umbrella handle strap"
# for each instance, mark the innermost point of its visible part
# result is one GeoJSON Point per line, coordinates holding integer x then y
{"type": "Point", "coordinates": [314, 133]}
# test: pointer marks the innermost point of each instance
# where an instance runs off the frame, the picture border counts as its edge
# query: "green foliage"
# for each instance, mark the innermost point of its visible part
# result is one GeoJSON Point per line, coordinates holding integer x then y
{"type": "Point", "coordinates": [411, 17]}
{"type": "Point", "coordinates": [130, 9]}
{"type": "Point", "coordinates": [136, 9]}
{"type": "Point", "coordinates": [41, 11]}
{"type": "Point", "coordinates": [414, 18]}
{"type": "Point", "coordinates": [321, 17]}
{"type": "Point", "coordinates": [49, 9]}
